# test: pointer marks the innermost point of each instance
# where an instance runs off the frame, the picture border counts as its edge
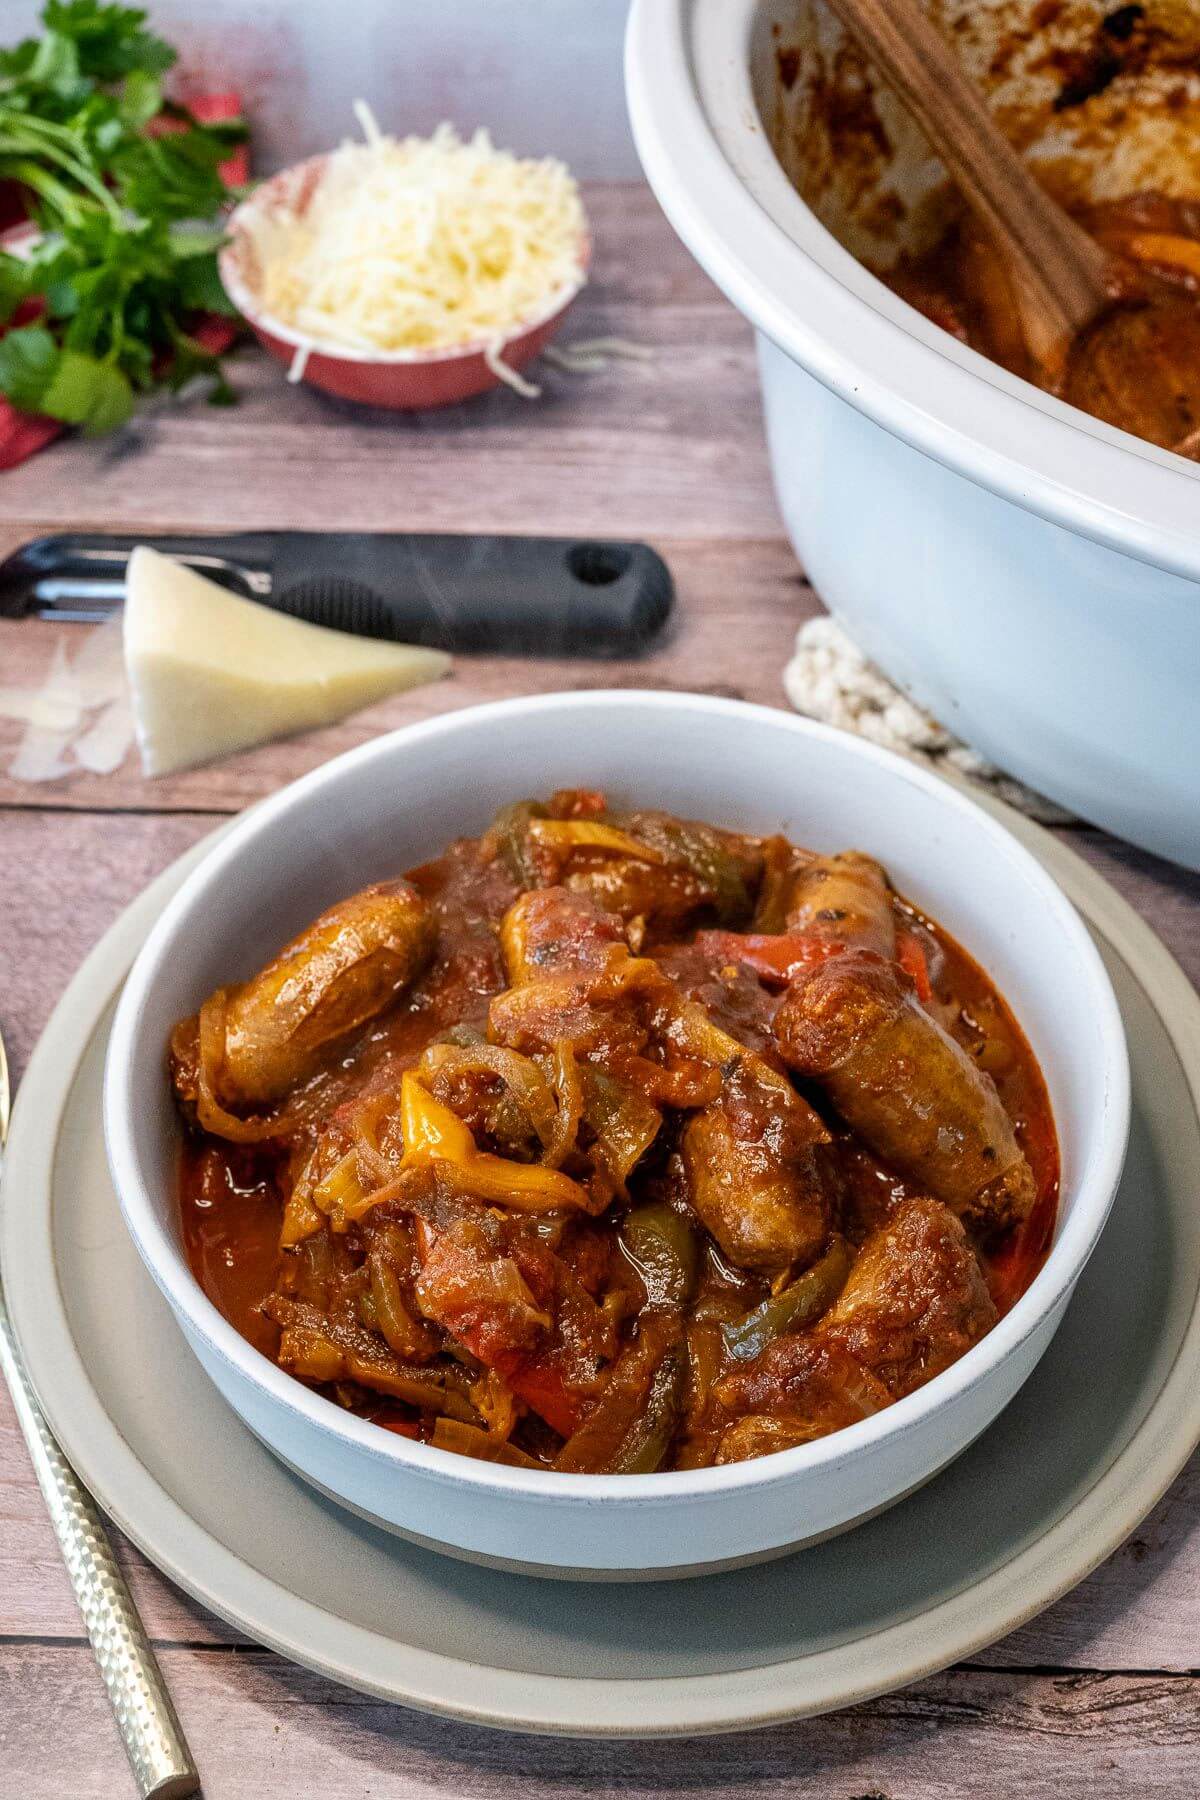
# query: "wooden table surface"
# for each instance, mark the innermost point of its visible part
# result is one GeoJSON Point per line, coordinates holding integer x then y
{"type": "Point", "coordinates": [1100, 1696]}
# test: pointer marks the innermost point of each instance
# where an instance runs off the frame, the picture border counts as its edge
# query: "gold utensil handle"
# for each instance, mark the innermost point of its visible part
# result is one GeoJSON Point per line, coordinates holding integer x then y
{"type": "Point", "coordinates": [153, 1737]}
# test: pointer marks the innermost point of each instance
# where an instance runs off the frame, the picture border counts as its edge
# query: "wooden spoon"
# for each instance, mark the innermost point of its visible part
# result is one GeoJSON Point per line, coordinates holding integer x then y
{"type": "Point", "coordinates": [1101, 331]}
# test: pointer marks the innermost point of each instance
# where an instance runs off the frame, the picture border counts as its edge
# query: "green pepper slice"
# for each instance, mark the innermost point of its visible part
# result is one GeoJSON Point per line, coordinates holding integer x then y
{"type": "Point", "coordinates": [699, 848]}
{"type": "Point", "coordinates": [508, 838]}
{"type": "Point", "coordinates": [662, 1247]}
{"type": "Point", "coordinates": [645, 1445]}
{"type": "Point", "coordinates": [799, 1305]}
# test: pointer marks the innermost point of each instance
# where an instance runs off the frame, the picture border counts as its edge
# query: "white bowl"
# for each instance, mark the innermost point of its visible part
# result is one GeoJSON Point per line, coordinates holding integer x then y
{"type": "Point", "coordinates": [1028, 573]}
{"type": "Point", "coordinates": [397, 801]}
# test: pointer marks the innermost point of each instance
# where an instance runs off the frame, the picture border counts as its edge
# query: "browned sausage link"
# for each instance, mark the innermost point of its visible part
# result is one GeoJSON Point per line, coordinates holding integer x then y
{"type": "Point", "coordinates": [915, 1300]}
{"type": "Point", "coordinates": [323, 986]}
{"type": "Point", "coordinates": [905, 1086]}
{"type": "Point", "coordinates": [844, 900]}
{"type": "Point", "coordinates": [551, 931]}
{"type": "Point", "coordinates": [752, 1171]}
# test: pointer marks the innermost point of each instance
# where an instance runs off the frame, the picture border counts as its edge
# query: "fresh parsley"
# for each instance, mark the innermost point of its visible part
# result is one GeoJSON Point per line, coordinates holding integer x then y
{"type": "Point", "coordinates": [121, 183]}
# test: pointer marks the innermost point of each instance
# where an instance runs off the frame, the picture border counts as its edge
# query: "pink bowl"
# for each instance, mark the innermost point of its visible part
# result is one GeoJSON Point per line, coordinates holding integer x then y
{"type": "Point", "coordinates": [406, 380]}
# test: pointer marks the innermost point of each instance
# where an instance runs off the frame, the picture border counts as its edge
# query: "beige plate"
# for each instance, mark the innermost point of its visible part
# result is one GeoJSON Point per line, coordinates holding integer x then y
{"type": "Point", "coordinates": [1065, 1474]}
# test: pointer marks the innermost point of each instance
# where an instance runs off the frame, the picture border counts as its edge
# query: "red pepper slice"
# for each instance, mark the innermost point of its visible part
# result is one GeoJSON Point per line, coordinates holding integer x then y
{"type": "Point", "coordinates": [911, 957]}
{"type": "Point", "coordinates": [531, 1375]}
{"type": "Point", "coordinates": [406, 1428]}
{"type": "Point", "coordinates": [776, 958]}
{"type": "Point", "coordinates": [536, 1381]}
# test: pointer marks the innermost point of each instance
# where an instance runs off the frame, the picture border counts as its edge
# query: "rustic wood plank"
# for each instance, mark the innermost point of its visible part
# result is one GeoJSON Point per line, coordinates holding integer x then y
{"type": "Point", "coordinates": [260, 1726]}
{"type": "Point", "coordinates": [738, 608]}
{"type": "Point", "coordinates": [65, 879]}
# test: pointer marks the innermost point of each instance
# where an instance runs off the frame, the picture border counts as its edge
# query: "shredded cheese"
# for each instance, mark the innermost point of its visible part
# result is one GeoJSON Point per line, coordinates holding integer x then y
{"type": "Point", "coordinates": [528, 390]}
{"type": "Point", "coordinates": [586, 355]}
{"type": "Point", "coordinates": [422, 244]}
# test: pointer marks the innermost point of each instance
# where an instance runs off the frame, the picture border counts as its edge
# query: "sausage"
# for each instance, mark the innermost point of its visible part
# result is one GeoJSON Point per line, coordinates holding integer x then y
{"type": "Point", "coordinates": [552, 931]}
{"type": "Point", "coordinates": [323, 986]}
{"type": "Point", "coordinates": [915, 1299]}
{"type": "Point", "coordinates": [752, 1170]}
{"type": "Point", "coordinates": [844, 900]}
{"type": "Point", "coordinates": [565, 958]}
{"type": "Point", "coordinates": [905, 1086]}
{"type": "Point", "coordinates": [642, 891]}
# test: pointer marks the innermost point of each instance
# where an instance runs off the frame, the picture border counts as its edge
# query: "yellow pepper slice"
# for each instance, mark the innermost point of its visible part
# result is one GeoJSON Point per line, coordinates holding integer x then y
{"type": "Point", "coordinates": [590, 834]}
{"type": "Point", "coordinates": [435, 1135]}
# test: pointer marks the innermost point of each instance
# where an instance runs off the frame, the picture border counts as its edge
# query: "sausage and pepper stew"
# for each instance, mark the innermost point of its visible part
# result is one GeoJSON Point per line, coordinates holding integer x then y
{"type": "Point", "coordinates": [1140, 368]}
{"type": "Point", "coordinates": [615, 1142]}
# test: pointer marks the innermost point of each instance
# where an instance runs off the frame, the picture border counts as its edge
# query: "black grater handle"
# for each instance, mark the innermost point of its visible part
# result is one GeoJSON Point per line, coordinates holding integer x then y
{"type": "Point", "coordinates": [509, 595]}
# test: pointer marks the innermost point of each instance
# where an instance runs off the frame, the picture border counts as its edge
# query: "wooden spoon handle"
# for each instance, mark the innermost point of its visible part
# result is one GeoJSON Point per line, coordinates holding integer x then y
{"type": "Point", "coordinates": [1063, 278]}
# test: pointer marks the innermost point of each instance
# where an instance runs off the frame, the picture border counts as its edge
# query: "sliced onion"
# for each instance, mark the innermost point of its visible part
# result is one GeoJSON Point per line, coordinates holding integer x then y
{"type": "Point", "coordinates": [568, 1091]}
{"type": "Point", "coordinates": [468, 1440]}
{"type": "Point", "coordinates": [521, 1076]}
{"type": "Point", "coordinates": [624, 1121]}
{"type": "Point", "coordinates": [566, 835]}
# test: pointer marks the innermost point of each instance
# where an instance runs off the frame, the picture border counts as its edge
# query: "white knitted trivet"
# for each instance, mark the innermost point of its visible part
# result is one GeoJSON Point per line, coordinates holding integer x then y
{"type": "Point", "coordinates": [830, 679]}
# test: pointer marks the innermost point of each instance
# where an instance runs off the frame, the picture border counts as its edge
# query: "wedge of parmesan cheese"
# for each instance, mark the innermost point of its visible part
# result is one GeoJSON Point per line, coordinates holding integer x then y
{"type": "Point", "coordinates": [210, 673]}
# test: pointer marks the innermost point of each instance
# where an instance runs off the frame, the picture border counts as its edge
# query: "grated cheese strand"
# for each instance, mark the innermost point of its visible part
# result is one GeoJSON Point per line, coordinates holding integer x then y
{"type": "Point", "coordinates": [586, 356]}
{"type": "Point", "coordinates": [299, 363]}
{"type": "Point", "coordinates": [528, 390]}
{"type": "Point", "coordinates": [423, 244]}
{"type": "Point", "coordinates": [368, 122]}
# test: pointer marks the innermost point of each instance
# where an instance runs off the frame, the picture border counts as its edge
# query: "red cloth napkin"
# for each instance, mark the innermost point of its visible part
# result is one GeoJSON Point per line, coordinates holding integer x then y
{"type": "Point", "coordinates": [23, 434]}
